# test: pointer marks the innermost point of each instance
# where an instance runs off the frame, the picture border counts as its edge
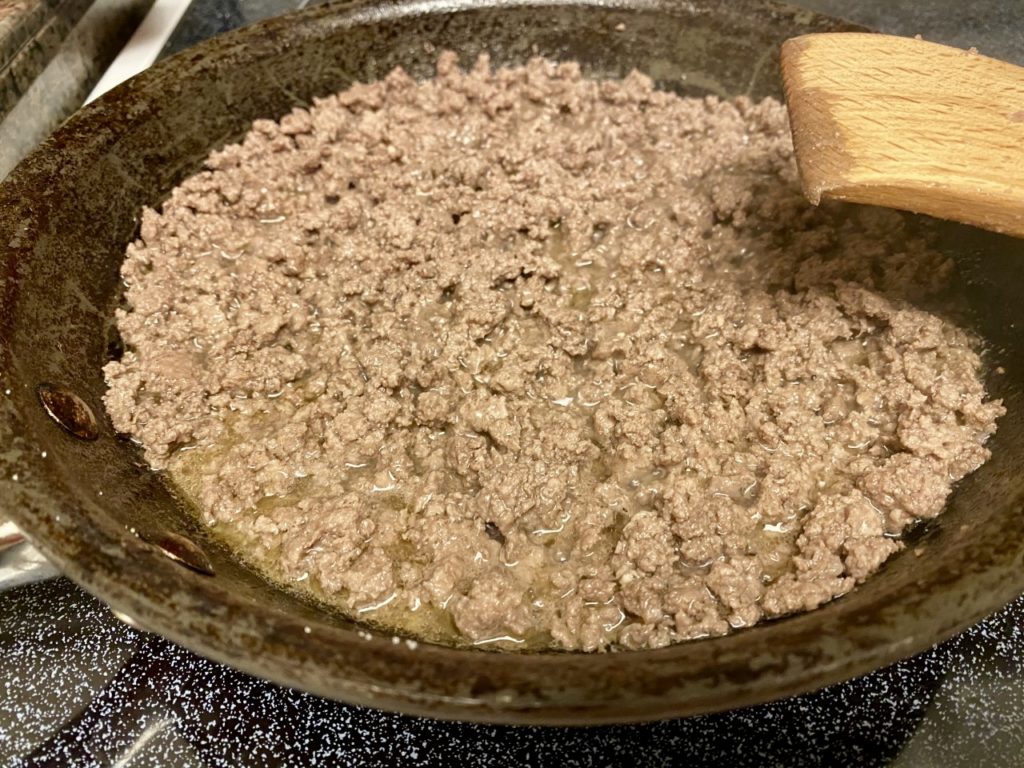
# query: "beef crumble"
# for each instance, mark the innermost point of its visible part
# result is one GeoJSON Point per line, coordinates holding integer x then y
{"type": "Point", "coordinates": [522, 358]}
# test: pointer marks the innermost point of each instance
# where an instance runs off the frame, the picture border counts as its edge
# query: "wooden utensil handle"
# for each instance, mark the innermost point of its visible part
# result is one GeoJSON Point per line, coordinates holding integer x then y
{"type": "Point", "coordinates": [908, 124]}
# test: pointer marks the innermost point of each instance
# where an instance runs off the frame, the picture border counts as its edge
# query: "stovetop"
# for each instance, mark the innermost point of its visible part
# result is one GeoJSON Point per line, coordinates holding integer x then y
{"type": "Point", "coordinates": [80, 688]}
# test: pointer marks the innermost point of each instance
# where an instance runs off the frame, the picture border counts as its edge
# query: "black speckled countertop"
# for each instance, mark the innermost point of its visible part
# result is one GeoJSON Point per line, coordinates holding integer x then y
{"type": "Point", "coordinates": [79, 688]}
{"type": "Point", "coordinates": [82, 689]}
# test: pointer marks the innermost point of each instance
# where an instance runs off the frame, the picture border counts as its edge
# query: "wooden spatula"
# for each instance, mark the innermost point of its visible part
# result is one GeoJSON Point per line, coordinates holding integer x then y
{"type": "Point", "coordinates": [907, 124]}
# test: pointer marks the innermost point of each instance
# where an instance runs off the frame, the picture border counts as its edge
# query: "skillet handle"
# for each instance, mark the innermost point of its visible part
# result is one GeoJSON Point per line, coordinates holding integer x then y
{"type": "Point", "coordinates": [20, 562]}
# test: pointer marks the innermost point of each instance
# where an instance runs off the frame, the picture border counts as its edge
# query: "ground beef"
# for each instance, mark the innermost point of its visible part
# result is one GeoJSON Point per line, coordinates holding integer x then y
{"type": "Point", "coordinates": [520, 358]}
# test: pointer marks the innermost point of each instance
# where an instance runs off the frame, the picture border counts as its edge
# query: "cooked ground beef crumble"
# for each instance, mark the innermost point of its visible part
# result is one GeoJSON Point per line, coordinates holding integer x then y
{"type": "Point", "coordinates": [517, 357]}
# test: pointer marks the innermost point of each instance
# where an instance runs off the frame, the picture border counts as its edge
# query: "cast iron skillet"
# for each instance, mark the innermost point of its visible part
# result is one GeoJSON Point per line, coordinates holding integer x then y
{"type": "Point", "coordinates": [92, 505]}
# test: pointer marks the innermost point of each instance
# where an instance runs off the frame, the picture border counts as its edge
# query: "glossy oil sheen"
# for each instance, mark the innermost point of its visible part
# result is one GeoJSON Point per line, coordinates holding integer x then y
{"type": "Point", "coordinates": [68, 211]}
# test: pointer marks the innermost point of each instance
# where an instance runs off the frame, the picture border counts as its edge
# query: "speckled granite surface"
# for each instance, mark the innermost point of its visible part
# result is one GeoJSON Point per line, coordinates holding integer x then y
{"type": "Point", "coordinates": [78, 688]}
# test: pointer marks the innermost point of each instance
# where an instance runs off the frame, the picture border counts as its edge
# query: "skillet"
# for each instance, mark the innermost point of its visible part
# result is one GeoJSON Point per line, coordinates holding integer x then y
{"type": "Point", "coordinates": [86, 498]}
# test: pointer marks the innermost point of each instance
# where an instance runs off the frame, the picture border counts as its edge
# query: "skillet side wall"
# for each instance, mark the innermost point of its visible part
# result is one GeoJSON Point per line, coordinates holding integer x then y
{"type": "Point", "coordinates": [67, 213]}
